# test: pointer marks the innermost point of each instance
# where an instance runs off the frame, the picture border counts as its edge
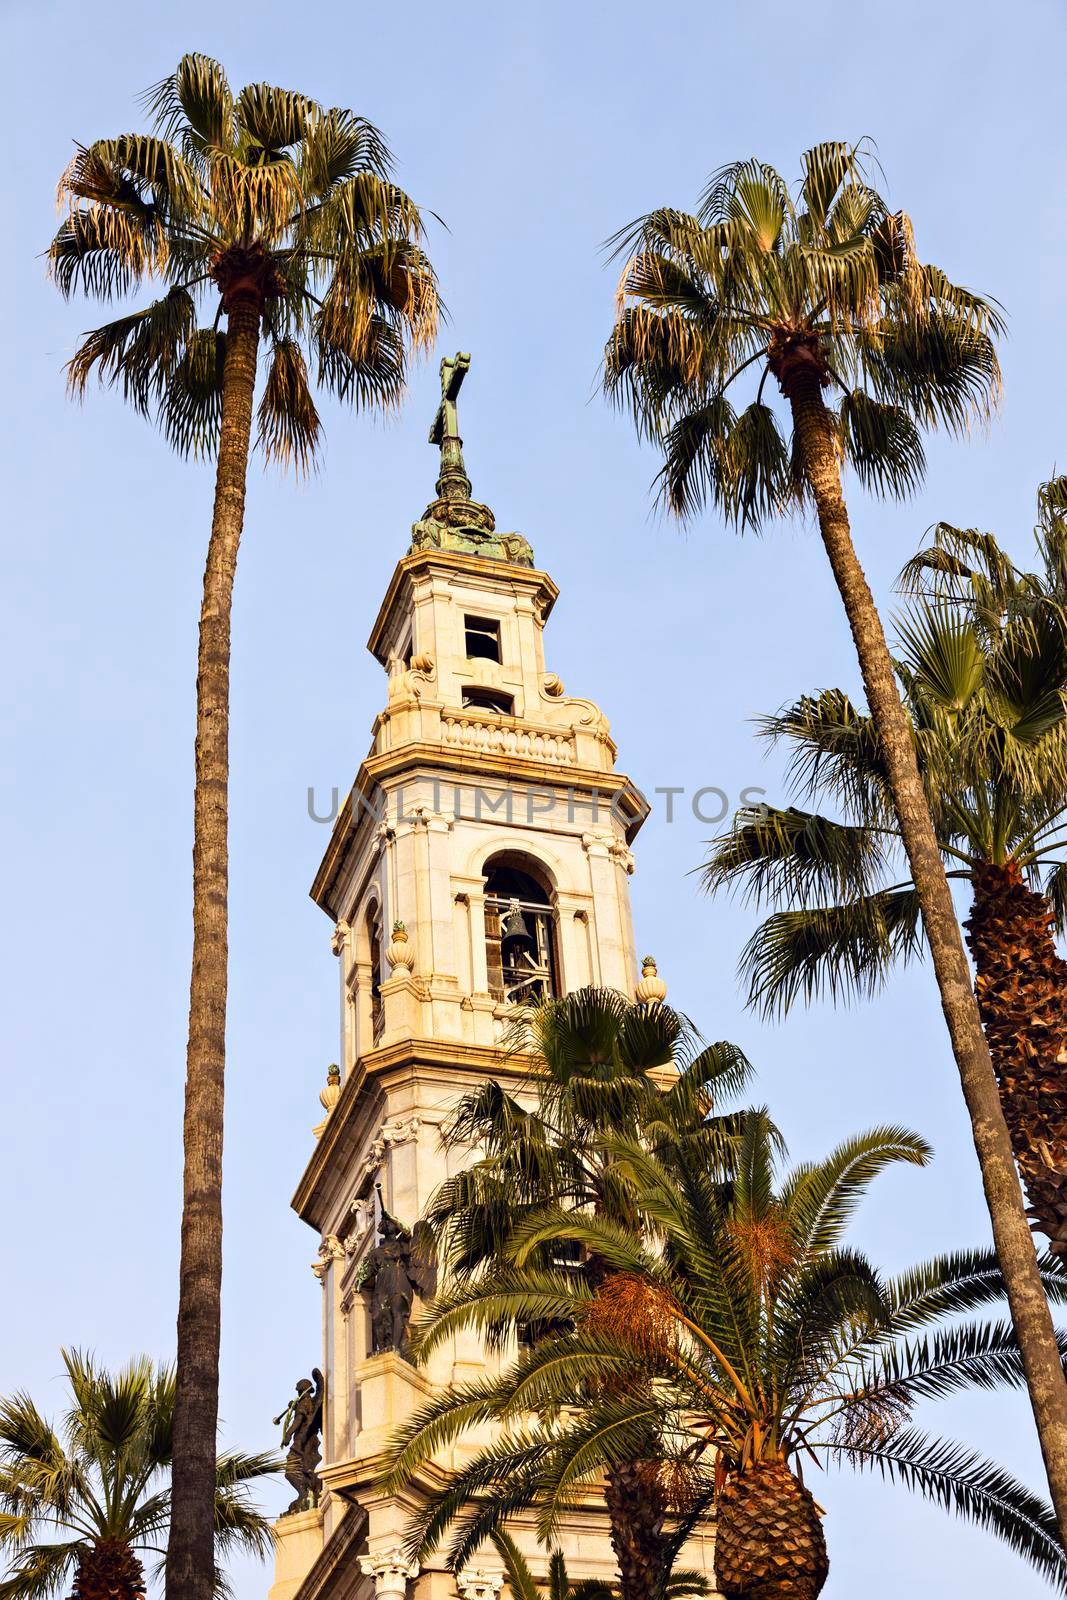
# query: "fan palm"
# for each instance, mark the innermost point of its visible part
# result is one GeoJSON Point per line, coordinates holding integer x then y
{"type": "Point", "coordinates": [750, 1338]}
{"type": "Point", "coordinates": [983, 671]}
{"type": "Point", "coordinates": [91, 1500]}
{"type": "Point", "coordinates": [263, 218]}
{"type": "Point", "coordinates": [825, 291]}
{"type": "Point", "coordinates": [601, 1065]}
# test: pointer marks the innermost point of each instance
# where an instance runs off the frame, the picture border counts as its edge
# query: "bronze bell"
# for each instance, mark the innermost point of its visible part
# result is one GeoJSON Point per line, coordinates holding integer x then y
{"type": "Point", "coordinates": [515, 933]}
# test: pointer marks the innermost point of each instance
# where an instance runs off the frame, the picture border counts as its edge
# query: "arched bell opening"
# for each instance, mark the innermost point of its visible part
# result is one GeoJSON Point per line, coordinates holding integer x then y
{"type": "Point", "coordinates": [520, 931]}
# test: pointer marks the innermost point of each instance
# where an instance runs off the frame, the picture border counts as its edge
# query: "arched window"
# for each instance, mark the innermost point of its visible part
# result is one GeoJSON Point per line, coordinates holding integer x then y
{"type": "Point", "coordinates": [374, 945]}
{"type": "Point", "coordinates": [520, 934]}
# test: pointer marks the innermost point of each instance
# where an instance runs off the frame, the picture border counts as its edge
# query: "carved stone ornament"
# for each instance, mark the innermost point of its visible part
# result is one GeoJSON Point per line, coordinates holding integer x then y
{"type": "Point", "coordinates": [401, 952]}
{"type": "Point", "coordinates": [651, 991]}
{"type": "Point", "coordinates": [390, 1569]}
{"type": "Point", "coordinates": [331, 1249]}
{"type": "Point", "coordinates": [479, 1584]}
{"type": "Point", "coordinates": [328, 1097]}
{"type": "Point", "coordinates": [389, 1134]}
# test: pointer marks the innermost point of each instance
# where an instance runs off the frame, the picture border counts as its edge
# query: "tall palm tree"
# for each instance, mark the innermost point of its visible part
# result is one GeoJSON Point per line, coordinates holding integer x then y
{"type": "Point", "coordinates": [745, 1332]}
{"type": "Point", "coordinates": [264, 219]}
{"type": "Point", "coordinates": [825, 291]}
{"type": "Point", "coordinates": [92, 1500]}
{"type": "Point", "coordinates": [601, 1065]}
{"type": "Point", "coordinates": [983, 672]}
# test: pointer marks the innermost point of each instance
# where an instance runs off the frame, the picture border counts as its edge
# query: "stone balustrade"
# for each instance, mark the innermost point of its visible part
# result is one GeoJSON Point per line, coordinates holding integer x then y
{"type": "Point", "coordinates": [488, 732]}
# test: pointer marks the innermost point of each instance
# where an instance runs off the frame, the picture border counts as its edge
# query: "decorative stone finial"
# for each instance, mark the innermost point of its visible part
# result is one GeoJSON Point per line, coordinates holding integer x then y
{"type": "Point", "coordinates": [401, 952]}
{"type": "Point", "coordinates": [651, 991]}
{"type": "Point", "coordinates": [329, 1096]}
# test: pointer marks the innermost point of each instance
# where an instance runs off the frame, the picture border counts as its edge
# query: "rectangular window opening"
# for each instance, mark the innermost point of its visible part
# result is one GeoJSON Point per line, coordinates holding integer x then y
{"type": "Point", "coordinates": [483, 638]}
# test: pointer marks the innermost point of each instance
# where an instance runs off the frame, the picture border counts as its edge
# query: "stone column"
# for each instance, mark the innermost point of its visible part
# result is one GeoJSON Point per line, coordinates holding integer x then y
{"type": "Point", "coordinates": [391, 1571]}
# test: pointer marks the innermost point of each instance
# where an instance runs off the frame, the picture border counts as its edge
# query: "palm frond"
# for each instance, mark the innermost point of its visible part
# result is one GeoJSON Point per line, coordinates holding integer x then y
{"type": "Point", "coordinates": [289, 425]}
{"type": "Point", "coordinates": [985, 1494]}
{"type": "Point", "coordinates": [882, 444]}
{"type": "Point", "coordinates": [844, 951]}
{"type": "Point", "coordinates": [137, 353]}
{"type": "Point", "coordinates": [790, 856]}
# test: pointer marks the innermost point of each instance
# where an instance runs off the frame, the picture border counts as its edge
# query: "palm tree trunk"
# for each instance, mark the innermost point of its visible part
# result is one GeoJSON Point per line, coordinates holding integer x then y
{"type": "Point", "coordinates": [816, 446]}
{"type": "Point", "coordinates": [190, 1573]}
{"type": "Point", "coordinates": [635, 1513]}
{"type": "Point", "coordinates": [1022, 998]}
{"type": "Point", "coordinates": [108, 1571]}
{"type": "Point", "coordinates": [769, 1543]}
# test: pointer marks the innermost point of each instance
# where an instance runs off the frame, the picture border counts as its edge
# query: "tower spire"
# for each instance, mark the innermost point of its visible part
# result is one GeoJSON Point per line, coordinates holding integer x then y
{"type": "Point", "coordinates": [455, 521]}
{"type": "Point", "coordinates": [453, 482]}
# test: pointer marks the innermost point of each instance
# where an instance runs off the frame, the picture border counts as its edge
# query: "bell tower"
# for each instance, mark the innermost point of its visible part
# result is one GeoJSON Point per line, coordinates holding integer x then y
{"type": "Point", "coordinates": [480, 861]}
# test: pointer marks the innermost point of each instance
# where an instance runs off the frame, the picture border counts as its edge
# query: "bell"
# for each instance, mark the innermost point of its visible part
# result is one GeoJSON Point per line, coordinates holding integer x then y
{"type": "Point", "coordinates": [515, 931]}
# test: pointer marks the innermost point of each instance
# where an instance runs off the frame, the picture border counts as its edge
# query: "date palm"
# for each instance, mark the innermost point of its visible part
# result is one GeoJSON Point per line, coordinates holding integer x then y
{"type": "Point", "coordinates": [85, 1504]}
{"type": "Point", "coordinates": [743, 1331]}
{"type": "Point", "coordinates": [983, 672]}
{"type": "Point", "coordinates": [600, 1065]}
{"type": "Point", "coordinates": [261, 219]}
{"type": "Point", "coordinates": [823, 292]}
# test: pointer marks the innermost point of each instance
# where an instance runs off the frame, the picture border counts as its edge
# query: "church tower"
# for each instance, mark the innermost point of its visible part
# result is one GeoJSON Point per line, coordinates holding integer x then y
{"type": "Point", "coordinates": [481, 860]}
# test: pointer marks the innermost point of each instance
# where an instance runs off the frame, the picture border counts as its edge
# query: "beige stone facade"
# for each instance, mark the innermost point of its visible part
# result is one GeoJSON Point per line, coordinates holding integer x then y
{"type": "Point", "coordinates": [475, 763]}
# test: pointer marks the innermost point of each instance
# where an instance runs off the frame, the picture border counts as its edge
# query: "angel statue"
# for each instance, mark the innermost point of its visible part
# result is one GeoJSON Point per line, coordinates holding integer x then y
{"type": "Point", "coordinates": [301, 1424]}
{"type": "Point", "coordinates": [399, 1267]}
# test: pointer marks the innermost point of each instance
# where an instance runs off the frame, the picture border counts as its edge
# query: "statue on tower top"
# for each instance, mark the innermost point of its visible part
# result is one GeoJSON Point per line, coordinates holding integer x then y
{"type": "Point", "coordinates": [453, 483]}
{"type": "Point", "coordinates": [454, 521]}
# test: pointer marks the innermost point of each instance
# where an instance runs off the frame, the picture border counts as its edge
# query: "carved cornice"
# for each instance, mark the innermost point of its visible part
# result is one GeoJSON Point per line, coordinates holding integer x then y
{"type": "Point", "coordinates": [470, 766]}
{"type": "Point", "coordinates": [317, 1198]}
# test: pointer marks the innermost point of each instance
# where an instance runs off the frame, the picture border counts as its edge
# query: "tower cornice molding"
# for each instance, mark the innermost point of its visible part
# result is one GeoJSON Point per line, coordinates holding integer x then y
{"type": "Point", "coordinates": [357, 817]}
{"type": "Point", "coordinates": [432, 1061]}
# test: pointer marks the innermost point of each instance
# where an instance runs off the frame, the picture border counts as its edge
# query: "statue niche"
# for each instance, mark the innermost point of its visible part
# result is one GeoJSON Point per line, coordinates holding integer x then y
{"type": "Point", "coordinates": [399, 1267]}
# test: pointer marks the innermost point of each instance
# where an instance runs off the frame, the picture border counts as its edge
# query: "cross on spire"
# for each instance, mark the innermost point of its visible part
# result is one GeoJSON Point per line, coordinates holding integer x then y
{"type": "Point", "coordinates": [453, 483]}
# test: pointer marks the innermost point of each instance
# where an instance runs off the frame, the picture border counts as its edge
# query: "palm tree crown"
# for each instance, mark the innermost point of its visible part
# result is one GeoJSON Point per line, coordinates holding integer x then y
{"type": "Point", "coordinates": [93, 1498]}
{"type": "Point", "coordinates": [601, 1065]}
{"type": "Point", "coordinates": [983, 669]}
{"type": "Point", "coordinates": [749, 1337]}
{"type": "Point", "coordinates": [825, 285]}
{"type": "Point", "coordinates": [265, 195]}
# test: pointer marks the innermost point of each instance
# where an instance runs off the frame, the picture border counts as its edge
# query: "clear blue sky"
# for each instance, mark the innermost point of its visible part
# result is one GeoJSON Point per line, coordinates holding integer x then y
{"type": "Point", "coordinates": [535, 131]}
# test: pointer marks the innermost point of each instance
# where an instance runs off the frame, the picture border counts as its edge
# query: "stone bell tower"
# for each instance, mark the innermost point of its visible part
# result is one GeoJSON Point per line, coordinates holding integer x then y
{"type": "Point", "coordinates": [481, 860]}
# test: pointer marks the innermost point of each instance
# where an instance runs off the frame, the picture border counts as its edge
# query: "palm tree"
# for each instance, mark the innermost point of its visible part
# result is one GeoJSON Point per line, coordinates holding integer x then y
{"type": "Point", "coordinates": [601, 1065]}
{"type": "Point", "coordinates": [263, 218]}
{"type": "Point", "coordinates": [983, 672]}
{"type": "Point", "coordinates": [826, 291]}
{"type": "Point", "coordinates": [93, 1499]}
{"type": "Point", "coordinates": [524, 1586]}
{"type": "Point", "coordinates": [742, 1330]}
